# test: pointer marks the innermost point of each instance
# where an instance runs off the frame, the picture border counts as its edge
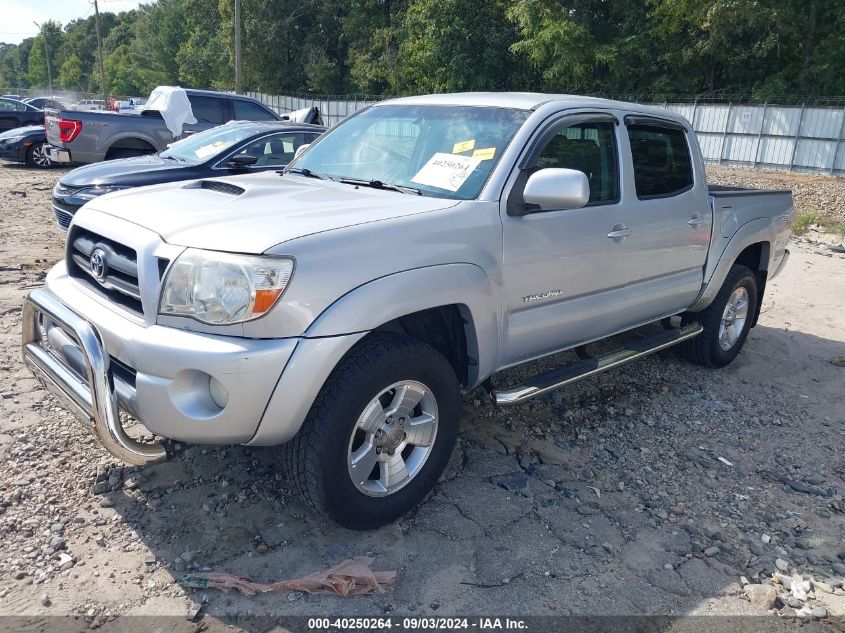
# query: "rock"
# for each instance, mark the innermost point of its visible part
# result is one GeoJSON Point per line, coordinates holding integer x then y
{"type": "Point", "coordinates": [106, 502]}
{"type": "Point", "coordinates": [793, 602]}
{"type": "Point", "coordinates": [65, 561]}
{"type": "Point", "coordinates": [608, 547]}
{"type": "Point", "coordinates": [712, 551]}
{"type": "Point", "coordinates": [188, 556]}
{"type": "Point", "coordinates": [819, 612]}
{"type": "Point", "coordinates": [150, 559]}
{"type": "Point", "coordinates": [57, 543]}
{"type": "Point", "coordinates": [782, 565]}
{"type": "Point", "coordinates": [800, 588]}
{"type": "Point", "coordinates": [818, 585]}
{"type": "Point", "coordinates": [838, 568]}
{"type": "Point", "coordinates": [262, 548]}
{"type": "Point", "coordinates": [20, 575]}
{"type": "Point", "coordinates": [516, 482]}
{"type": "Point", "coordinates": [100, 487]}
{"type": "Point", "coordinates": [766, 538]}
{"type": "Point", "coordinates": [45, 600]}
{"type": "Point", "coordinates": [756, 548]}
{"type": "Point", "coordinates": [761, 595]}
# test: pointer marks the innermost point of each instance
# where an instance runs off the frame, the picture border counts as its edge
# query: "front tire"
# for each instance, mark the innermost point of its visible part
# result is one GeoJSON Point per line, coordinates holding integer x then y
{"type": "Point", "coordinates": [726, 321]}
{"type": "Point", "coordinates": [379, 433]}
{"type": "Point", "coordinates": [36, 156]}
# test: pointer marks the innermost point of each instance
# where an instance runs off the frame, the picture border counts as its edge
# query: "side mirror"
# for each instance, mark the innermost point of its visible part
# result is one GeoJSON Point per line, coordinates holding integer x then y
{"type": "Point", "coordinates": [241, 161]}
{"type": "Point", "coordinates": [555, 188]}
{"type": "Point", "coordinates": [300, 149]}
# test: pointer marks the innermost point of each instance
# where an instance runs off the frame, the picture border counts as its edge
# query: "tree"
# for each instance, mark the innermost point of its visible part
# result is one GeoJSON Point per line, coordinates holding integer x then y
{"type": "Point", "coordinates": [37, 63]}
{"type": "Point", "coordinates": [451, 45]}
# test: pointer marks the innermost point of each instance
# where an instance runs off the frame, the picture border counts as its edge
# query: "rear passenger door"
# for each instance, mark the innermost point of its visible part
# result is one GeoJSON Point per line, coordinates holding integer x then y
{"type": "Point", "coordinates": [669, 215]}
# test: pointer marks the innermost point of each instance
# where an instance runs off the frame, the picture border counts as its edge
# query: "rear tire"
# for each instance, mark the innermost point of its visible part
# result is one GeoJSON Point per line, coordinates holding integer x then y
{"type": "Point", "coordinates": [37, 157]}
{"type": "Point", "coordinates": [379, 433]}
{"type": "Point", "coordinates": [726, 321]}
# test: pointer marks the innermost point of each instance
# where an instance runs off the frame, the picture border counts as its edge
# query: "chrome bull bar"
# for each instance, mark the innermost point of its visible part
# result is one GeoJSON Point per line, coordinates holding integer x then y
{"type": "Point", "coordinates": [90, 398]}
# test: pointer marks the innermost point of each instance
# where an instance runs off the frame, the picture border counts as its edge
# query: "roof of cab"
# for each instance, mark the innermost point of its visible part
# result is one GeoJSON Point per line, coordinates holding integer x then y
{"type": "Point", "coordinates": [527, 101]}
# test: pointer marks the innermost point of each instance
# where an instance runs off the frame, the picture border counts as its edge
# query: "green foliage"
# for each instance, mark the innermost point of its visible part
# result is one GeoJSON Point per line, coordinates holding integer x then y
{"type": "Point", "coordinates": [765, 48]}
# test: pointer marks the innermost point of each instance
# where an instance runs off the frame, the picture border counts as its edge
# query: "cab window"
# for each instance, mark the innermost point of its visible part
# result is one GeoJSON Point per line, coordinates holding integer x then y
{"type": "Point", "coordinates": [278, 150]}
{"type": "Point", "coordinates": [589, 148]}
{"type": "Point", "coordinates": [662, 164]}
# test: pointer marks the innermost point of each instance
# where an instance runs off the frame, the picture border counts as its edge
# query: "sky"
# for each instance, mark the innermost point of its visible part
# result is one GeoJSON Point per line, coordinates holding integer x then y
{"type": "Point", "coordinates": [18, 15]}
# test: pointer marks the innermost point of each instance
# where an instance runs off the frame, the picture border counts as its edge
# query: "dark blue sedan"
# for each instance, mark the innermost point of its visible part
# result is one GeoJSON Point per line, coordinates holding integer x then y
{"type": "Point", "coordinates": [238, 147]}
{"type": "Point", "coordinates": [25, 145]}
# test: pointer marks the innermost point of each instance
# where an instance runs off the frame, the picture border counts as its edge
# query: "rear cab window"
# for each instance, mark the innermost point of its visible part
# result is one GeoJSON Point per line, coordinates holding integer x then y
{"type": "Point", "coordinates": [661, 157]}
{"type": "Point", "coordinates": [208, 109]}
{"type": "Point", "coordinates": [249, 111]}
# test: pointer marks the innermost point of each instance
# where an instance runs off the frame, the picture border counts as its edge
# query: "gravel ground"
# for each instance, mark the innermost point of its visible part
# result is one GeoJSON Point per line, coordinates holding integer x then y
{"type": "Point", "coordinates": [819, 195]}
{"type": "Point", "coordinates": [660, 488]}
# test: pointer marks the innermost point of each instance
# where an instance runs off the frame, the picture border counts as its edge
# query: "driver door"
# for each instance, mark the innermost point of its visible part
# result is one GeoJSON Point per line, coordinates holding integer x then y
{"type": "Point", "coordinates": [564, 277]}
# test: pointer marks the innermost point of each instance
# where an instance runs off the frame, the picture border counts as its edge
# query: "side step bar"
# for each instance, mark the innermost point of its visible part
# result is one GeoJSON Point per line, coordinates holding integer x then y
{"type": "Point", "coordinates": [568, 374]}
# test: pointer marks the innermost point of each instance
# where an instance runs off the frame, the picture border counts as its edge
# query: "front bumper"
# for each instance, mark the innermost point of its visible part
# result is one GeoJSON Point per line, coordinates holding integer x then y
{"type": "Point", "coordinates": [13, 153]}
{"type": "Point", "coordinates": [99, 360]}
{"type": "Point", "coordinates": [58, 154]}
{"type": "Point", "coordinates": [90, 396]}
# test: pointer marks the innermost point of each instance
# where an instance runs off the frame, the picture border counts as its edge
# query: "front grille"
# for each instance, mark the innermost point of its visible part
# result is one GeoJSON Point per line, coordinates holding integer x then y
{"type": "Point", "coordinates": [119, 278]}
{"type": "Point", "coordinates": [63, 218]}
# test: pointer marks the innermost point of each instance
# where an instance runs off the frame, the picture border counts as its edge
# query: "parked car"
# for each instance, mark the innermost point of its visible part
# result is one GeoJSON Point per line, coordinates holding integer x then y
{"type": "Point", "coordinates": [89, 137]}
{"type": "Point", "coordinates": [46, 102]}
{"type": "Point", "coordinates": [89, 105]}
{"type": "Point", "coordinates": [238, 147]}
{"type": "Point", "coordinates": [14, 114]}
{"type": "Point", "coordinates": [421, 245]}
{"type": "Point", "coordinates": [25, 145]}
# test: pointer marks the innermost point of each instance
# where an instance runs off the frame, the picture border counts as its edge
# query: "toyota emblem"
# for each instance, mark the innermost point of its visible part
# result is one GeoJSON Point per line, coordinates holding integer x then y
{"type": "Point", "coordinates": [98, 264]}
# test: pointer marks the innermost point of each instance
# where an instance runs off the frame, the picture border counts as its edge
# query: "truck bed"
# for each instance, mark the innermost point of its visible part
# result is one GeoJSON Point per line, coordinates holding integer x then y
{"type": "Point", "coordinates": [719, 191]}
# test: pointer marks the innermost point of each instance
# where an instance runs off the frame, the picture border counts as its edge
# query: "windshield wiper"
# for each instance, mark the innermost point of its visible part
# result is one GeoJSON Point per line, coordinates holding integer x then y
{"type": "Point", "coordinates": [378, 184]}
{"type": "Point", "coordinates": [306, 172]}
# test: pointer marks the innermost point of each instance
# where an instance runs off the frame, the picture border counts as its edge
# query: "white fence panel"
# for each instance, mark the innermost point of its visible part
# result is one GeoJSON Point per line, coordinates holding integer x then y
{"type": "Point", "coordinates": [794, 138]}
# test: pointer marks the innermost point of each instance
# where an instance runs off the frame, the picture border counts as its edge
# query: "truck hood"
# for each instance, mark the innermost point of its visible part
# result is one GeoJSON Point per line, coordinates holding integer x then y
{"type": "Point", "coordinates": [251, 214]}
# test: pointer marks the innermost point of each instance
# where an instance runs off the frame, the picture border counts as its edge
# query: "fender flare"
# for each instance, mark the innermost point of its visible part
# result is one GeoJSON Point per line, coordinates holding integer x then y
{"type": "Point", "coordinates": [399, 294]}
{"type": "Point", "coordinates": [753, 232]}
{"type": "Point", "coordinates": [348, 320]}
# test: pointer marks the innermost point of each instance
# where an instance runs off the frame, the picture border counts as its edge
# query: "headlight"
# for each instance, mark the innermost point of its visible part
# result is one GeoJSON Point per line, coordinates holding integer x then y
{"type": "Point", "coordinates": [223, 288]}
{"type": "Point", "coordinates": [89, 193]}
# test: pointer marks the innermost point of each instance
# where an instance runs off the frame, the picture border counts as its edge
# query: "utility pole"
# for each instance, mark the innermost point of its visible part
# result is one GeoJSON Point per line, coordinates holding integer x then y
{"type": "Point", "coordinates": [46, 58]}
{"type": "Point", "coordinates": [238, 46]}
{"type": "Point", "coordinates": [100, 52]}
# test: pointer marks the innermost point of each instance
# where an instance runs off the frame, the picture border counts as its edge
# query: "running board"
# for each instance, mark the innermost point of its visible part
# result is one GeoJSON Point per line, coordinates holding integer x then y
{"type": "Point", "coordinates": [568, 374]}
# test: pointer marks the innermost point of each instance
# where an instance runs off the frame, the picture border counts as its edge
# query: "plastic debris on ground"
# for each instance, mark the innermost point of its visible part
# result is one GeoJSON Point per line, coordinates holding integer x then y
{"type": "Point", "coordinates": [352, 577]}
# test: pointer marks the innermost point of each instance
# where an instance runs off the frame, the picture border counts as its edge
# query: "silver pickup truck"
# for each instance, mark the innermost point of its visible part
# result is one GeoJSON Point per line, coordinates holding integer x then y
{"type": "Point", "coordinates": [422, 245]}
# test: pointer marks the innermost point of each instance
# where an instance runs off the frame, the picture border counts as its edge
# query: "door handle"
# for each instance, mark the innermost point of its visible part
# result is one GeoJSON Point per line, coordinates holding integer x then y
{"type": "Point", "coordinates": [620, 231]}
{"type": "Point", "coordinates": [696, 220]}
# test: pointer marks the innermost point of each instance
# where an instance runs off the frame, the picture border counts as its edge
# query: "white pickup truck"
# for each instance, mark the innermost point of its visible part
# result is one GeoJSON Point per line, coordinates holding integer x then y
{"type": "Point", "coordinates": [422, 245]}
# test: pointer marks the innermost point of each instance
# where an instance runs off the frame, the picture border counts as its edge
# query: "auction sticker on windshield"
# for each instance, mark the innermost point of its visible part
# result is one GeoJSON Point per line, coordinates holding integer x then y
{"type": "Point", "coordinates": [446, 171]}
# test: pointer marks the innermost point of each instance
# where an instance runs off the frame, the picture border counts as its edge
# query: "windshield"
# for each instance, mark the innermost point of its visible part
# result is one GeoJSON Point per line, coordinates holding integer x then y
{"type": "Point", "coordinates": [444, 151]}
{"type": "Point", "coordinates": [205, 145]}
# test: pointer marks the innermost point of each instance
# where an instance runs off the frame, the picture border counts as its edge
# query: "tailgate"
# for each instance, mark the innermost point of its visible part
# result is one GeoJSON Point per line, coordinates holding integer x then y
{"type": "Point", "coordinates": [51, 127]}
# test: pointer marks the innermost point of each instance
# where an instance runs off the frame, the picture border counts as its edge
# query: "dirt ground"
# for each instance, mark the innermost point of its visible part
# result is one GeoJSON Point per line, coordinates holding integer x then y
{"type": "Point", "coordinates": [659, 488]}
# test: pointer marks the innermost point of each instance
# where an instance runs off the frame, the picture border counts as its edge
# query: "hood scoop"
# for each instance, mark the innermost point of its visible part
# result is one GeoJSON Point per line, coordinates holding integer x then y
{"type": "Point", "coordinates": [217, 185]}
